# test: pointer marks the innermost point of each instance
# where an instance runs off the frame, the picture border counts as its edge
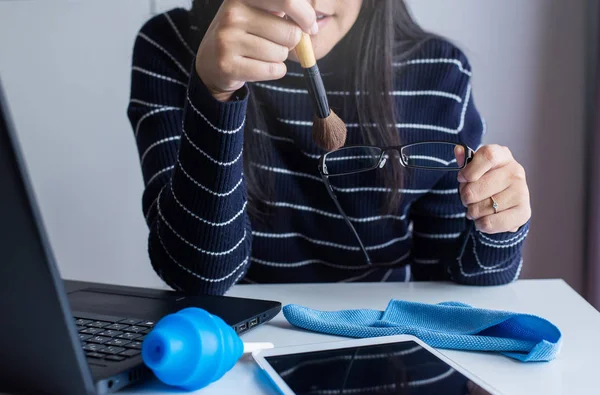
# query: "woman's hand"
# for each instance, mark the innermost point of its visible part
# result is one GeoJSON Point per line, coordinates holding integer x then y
{"type": "Point", "coordinates": [249, 40]}
{"type": "Point", "coordinates": [494, 175]}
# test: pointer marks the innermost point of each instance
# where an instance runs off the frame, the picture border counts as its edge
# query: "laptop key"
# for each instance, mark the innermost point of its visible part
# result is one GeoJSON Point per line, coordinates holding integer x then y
{"type": "Point", "coordinates": [118, 342]}
{"type": "Point", "coordinates": [94, 355]}
{"type": "Point", "coordinates": [129, 321]}
{"type": "Point", "coordinates": [137, 345]}
{"type": "Point", "coordinates": [115, 358]}
{"type": "Point", "coordinates": [146, 331]}
{"type": "Point", "coordinates": [93, 347]}
{"type": "Point", "coordinates": [111, 350]}
{"type": "Point", "coordinates": [134, 329]}
{"type": "Point", "coordinates": [110, 333]}
{"type": "Point", "coordinates": [90, 331]}
{"type": "Point", "coordinates": [83, 337]}
{"type": "Point", "coordinates": [129, 336]}
{"type": "Point", "coordinates": [99, 339]}
{"type": "Point", "coordinates": [98, 324]}
{"type": "Point", "coordinates": [132, 352]}
{"type": "Point", "coordinates": [147, 323]}
{"type": "Point", "coordinates": [117, 327]}
{"type": "Point", "coordinates": [141, 338]}
{"type": "Point", "coordinates": [81, 321]}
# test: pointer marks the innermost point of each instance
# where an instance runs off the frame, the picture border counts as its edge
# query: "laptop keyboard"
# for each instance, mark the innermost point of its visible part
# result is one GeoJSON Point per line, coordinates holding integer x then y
{"type": "Point", "coordinates": [115, 339]}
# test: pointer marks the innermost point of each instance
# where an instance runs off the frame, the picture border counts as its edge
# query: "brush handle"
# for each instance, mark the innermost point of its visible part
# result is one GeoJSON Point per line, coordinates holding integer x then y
{"type": "Point", "coordinates": [312, 75]}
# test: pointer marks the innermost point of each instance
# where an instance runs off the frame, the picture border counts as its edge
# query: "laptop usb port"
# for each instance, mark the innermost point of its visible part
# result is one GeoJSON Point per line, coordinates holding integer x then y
{"type": "Point", "coordinates": [253, 322]}
{"type": "Point", "coordinates": [242, 327]}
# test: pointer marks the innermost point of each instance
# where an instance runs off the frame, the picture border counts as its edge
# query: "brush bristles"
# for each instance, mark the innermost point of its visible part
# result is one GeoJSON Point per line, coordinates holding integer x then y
{"type": "Point", "coordinates": [329, 133]}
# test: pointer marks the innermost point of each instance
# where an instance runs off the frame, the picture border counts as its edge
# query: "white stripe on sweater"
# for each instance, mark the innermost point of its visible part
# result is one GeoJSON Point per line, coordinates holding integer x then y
{"type": "Point", "coordinates": [336, 216]}
{"type": "Point", "coordinates": [179, 34]}
{"type": "Point", "coordinates": [153, 203]}
{"type": "Point", "coordinates": [433, 159]}
{"type": "Point", "coordinates": [279, 170]}
{"type": "Point", "coordinates": [158, 174]}
{"type": "Point", "coordinates": [206, 252]}
{"type": "Point", "coordinates": [287, 172]}
{"type": "Point", "coordinates": [328, 243]}
{"type": "Point", "coordinates": [224, 164]}
{"type": "Point", "coordinates": [517, 235]}
{"type": "Point", "coordinates": [321, 262]}
{"type": "Point", "coordinates": [154, 105]}
{"type": "Point", "coordinates": [438, 236]}
{"type": "Point", "coordinates": [159, 76]}
{"type": "Point", "coordinates": [456, 62]}
{"type": "Point", "coordinates": [357, 93]}
{"type": "Point", "coordinates": [262, 132]}
{"type": "Point", "coordinates": [426, 261]}
{"type": "Point", "coordinates": [183, 69]}
{"type": "Point", "coordinates": [207, 279]}
{"type": "Point", "coordinates": [216, 224]}
{"type": "Point", "coordinates": [223, 194]}
{"type": "Point", "coordinates": [153, 112]}
{"type": "Point", "coordinates": [478, 261]}
{"type": "Point", "coordinates": [518, 273]}
{"type": "Point", "coordinates": [223, 131]}
{"type": "Point", "coordinates": [417, 126]}
{"type": "Point", "coordinates": [159, 142]}
{"type": "Point", "coordinates": [519, 241]}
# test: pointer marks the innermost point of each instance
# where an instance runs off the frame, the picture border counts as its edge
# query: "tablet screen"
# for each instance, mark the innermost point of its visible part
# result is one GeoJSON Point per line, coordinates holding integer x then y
{"type": "Point", "coordinates": [394, 368]}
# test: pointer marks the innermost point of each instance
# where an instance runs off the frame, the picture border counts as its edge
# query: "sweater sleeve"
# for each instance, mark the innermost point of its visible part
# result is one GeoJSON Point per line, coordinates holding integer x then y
{"type": "Point", "coordinates": [446, 244]}
{"type": "Point", "coordinates": [190, 148]}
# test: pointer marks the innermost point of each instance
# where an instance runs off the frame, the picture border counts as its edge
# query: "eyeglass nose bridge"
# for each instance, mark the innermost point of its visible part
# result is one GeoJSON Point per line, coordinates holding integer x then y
{"type": "Point", "coordinates": [385, 156]}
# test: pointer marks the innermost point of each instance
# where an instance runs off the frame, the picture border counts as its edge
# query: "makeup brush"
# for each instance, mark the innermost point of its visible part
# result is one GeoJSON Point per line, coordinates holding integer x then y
{"type": "Point", "coordinates": [328, 131]}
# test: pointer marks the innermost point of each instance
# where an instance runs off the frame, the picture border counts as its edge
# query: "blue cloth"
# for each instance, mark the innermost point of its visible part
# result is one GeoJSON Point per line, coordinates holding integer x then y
{"type": "Point", "coordinates": [449, 325]}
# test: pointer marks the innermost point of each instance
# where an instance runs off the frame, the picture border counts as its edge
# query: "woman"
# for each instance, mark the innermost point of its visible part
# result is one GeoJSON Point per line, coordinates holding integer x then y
{"type": "Point", "coordinates": [221, 117]}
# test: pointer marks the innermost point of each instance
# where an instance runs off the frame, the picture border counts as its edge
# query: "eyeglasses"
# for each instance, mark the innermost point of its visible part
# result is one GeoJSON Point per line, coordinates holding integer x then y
{"type": "Point", "coordinates": [428, 155]}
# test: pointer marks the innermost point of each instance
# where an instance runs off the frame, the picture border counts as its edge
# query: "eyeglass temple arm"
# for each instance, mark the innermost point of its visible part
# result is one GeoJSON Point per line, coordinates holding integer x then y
{"type": "Point", "coordinates": [339, 207]}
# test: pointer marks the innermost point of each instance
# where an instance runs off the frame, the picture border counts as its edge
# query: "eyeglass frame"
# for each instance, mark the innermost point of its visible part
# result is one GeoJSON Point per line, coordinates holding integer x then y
{"type": "Point", "coordinates": [469, 153]}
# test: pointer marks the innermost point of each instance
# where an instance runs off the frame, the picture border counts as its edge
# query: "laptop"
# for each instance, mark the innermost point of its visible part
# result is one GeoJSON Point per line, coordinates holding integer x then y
{"type": "Point", "coordinates": [68, 337]}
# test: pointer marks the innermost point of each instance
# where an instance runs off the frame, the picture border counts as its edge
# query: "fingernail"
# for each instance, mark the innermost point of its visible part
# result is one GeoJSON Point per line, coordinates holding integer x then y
{"type": "Point", "coordinates": [469, 217]}
{"type": "Point", "coordinates": [314, 29]}
{"type": "Point", "coordinates": [461, 178]}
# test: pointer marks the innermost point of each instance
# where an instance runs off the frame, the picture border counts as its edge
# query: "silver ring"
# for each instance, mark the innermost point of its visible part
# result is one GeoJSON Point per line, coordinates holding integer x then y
{"type": "Point", "coordinates": [494, 205]}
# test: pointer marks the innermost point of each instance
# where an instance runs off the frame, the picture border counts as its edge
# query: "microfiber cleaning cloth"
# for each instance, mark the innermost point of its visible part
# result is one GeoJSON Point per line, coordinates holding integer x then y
{"type": "Point", "coordinates": [448, 325]}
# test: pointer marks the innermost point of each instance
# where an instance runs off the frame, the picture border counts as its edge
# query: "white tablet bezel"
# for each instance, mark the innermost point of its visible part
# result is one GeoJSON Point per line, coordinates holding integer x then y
{"type": "Point", "coordinates": [261, 355]}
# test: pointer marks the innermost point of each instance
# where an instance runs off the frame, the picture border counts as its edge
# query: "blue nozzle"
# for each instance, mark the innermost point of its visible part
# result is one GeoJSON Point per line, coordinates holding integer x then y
{"type": "Point", "coordinates": [191, 349]}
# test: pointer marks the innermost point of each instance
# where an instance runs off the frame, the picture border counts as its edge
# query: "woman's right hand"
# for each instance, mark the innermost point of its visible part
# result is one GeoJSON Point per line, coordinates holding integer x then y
{"type": "Point", "coordinates": [249, 40]}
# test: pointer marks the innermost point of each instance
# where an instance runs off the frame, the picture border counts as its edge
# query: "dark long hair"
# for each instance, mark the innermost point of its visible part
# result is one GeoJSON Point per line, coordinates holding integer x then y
{"type": "Point", "coordinates": [385, 33]}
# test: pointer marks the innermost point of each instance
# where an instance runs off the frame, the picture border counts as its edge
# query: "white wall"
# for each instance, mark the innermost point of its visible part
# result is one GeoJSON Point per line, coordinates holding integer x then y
{"type": "Point", "coordinates": [66, 69]}
{"type": "Point", "coordinates": [65, 66]}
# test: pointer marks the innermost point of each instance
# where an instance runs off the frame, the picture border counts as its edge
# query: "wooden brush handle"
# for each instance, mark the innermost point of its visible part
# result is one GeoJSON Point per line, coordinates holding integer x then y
{"type": "Point", "coordinates": [305, 53]}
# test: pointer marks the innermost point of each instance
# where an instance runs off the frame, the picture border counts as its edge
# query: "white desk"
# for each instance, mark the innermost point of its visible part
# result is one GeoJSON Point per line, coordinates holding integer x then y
{"type": "Point", "coordinates": [574, 372]}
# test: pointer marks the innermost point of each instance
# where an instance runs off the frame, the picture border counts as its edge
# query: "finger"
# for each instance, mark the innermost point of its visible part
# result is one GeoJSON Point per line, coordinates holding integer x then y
{"type": "Point", "coordinates": [300, 11]}
{"type": "Point", "coordinates": [253, 70]}
{"type": "Point", "coordinates": [503, 221]}
{"type": "Point", "coordinates": [257, 48]}
{"type": "Point", "coordinates": [275, 29]}
{"type": "Point", "coordinates": [507, 199]}
{"type": "Point", "coordinates": [487, 158]}
{"type": "Point", "coordinates": [491, 183]}
{"type": "Point", "coordinates": [459, 154]}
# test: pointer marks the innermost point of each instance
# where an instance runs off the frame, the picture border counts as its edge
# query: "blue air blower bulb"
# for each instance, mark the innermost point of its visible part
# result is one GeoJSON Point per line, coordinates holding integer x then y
{"type": "Point", "coordinates": [191, 349]}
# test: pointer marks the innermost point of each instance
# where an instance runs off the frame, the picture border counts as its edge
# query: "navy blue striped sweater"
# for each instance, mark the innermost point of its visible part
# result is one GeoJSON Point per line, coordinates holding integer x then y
{"type": "Point", "coordinates": [201, 237]}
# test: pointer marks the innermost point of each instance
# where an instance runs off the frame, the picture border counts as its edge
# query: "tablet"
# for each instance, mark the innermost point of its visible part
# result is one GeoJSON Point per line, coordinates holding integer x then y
{"type": "Point", "coordinates": [385, 365]}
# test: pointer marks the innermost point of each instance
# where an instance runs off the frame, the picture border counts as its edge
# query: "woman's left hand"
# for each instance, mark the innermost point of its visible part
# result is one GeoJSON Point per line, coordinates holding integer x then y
{"type": "Point", "coordinates": [494, 175]}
